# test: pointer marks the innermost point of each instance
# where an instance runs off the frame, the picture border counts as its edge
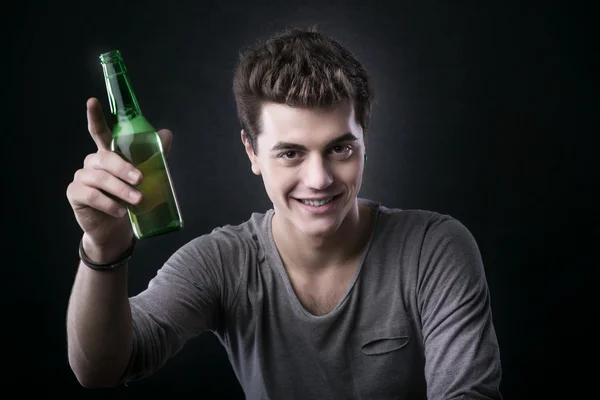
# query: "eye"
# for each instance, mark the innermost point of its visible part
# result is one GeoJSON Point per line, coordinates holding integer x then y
{"type": "Point", "coordinates": [289, 155]}
{"type": "Point", "coordinates": [342, 150]}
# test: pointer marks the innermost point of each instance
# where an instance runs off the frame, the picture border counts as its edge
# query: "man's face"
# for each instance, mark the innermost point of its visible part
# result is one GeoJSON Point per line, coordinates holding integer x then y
{"type": "Point", "coordinates": [310, 154]}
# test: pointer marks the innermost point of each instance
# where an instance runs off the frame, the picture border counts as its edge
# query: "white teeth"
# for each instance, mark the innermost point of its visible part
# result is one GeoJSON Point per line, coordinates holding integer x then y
{"type": "Point", "coordinates": [317, 203]}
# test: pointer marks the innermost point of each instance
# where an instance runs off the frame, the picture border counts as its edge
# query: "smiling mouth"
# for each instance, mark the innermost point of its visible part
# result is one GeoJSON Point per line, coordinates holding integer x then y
{"type": "Point", "coordinates": [320, 202]}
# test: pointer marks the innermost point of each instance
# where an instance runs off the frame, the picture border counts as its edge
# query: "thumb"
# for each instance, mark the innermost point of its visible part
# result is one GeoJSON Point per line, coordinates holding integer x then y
{"type": "Point", "coordinates": [166, 138]}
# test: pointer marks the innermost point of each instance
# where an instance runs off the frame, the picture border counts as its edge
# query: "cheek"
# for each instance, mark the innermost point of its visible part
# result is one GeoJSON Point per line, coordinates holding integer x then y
{"type": "Point", "coordinates": [350, 174]}
{"type": "Point", "coordinates": [278, 180]}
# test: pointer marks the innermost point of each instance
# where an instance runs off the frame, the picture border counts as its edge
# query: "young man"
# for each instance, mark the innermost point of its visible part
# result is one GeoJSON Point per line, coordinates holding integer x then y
{"type": "Point", "coordinates": [324, 296]}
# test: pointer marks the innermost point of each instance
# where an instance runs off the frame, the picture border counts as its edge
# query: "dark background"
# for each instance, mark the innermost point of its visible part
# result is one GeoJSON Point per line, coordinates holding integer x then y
{"type": "Point", "coordinates": [484, 111]}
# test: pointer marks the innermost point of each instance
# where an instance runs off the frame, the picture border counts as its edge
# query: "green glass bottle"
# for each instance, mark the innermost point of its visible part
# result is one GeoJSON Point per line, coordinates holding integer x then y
{"type": "Point", "coordinates": [136, 141]}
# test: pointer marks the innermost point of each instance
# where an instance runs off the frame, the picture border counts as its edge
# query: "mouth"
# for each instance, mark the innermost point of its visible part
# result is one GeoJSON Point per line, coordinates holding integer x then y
{"type": "Point", "coordinates": [318, 202]}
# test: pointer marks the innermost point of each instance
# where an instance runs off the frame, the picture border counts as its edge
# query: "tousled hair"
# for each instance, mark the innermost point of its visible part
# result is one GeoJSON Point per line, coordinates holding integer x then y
{"type": "Point", "coordinates": [299, 68]}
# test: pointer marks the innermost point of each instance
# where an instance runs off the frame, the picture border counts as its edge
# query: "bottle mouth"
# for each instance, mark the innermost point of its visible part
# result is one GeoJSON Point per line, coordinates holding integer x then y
{"type": "Point", "coordinates": [111, 57]}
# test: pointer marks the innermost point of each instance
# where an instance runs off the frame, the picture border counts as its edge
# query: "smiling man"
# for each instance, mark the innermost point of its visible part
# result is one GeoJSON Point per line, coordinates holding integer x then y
{"type": "Point", "coordinates": [326, 295]}
{"type": "Point", "coordinates": [312, 166]}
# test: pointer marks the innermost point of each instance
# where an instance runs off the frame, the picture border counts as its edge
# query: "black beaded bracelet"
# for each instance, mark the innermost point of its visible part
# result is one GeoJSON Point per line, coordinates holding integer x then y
{"type": "Point", "coordinates": [106, 266]}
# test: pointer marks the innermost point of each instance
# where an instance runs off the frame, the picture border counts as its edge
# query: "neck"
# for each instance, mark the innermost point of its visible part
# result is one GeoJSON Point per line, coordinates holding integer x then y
{"type": "Point", "coordinates": [313, 255]}
{"type": "Point", "coordinates": [123, 102]}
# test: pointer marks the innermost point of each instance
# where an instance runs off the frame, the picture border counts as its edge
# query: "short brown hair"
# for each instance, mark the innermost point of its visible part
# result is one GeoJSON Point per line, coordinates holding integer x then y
{"type": "Point", "coordinates": [300, 68]}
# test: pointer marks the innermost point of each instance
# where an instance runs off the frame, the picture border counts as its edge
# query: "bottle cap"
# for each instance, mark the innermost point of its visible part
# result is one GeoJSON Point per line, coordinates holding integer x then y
{"type": "Point", "coordinates": [111, 56]}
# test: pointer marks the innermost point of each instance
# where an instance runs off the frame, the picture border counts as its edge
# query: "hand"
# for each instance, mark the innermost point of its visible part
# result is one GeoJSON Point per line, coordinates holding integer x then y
{"type": "Point", "coordinates": [101, 190]}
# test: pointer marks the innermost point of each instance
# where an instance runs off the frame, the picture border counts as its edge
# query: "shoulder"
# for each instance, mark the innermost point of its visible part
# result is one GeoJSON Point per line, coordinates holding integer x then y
{"type": "Point", "coordinates": [427, 232]}
{"type": "Point", "coordinates": [412, 224]}
{"type": "Point", "coordinates": [226, 246]}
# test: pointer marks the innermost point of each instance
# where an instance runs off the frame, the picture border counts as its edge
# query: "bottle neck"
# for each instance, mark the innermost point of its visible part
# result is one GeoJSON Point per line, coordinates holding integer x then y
{"type": "Point", "coordinates": [123, 103]}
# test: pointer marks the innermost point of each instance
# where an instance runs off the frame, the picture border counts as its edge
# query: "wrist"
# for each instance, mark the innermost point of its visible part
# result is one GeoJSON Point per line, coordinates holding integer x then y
{"type": "Point", "coordinates": [105, 256]}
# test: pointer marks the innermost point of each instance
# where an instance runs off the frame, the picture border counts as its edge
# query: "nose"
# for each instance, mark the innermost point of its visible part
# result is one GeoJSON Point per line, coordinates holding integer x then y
{"type": "Point", "coordinates": [317, 174]}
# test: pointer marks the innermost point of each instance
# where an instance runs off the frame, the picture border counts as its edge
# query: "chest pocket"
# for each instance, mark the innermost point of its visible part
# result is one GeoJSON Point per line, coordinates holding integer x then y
{"type": "Point", "coordinates": [387, 363]}
{"type": "Point", "coordinates": [384, 344]}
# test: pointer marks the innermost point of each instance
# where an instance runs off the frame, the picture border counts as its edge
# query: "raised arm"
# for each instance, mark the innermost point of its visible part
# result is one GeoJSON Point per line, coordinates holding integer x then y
{"type": "Point", "coordinates": [99, 323]}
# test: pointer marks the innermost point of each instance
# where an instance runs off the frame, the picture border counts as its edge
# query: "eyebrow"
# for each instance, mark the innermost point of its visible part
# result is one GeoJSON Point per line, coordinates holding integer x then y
{"type": "Point", "coordinates": [346, 137]}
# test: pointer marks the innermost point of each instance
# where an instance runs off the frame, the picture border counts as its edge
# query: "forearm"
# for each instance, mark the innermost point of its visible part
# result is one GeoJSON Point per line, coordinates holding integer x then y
{"type": "Point", "coordinates": [99, 326]}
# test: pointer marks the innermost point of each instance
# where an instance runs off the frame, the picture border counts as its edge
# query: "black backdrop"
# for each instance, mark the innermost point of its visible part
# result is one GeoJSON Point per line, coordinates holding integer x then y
{"type": "Point", "coordinates": [484, 111]}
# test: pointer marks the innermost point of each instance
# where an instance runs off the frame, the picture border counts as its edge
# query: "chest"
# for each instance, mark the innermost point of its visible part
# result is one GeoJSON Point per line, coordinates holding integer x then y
{"type": "Point", "coordinates": [366, 349]}
{"type": "Point", "coordinates": [320, 302]}
{"type": "Point", "coordinates": [320, 295]}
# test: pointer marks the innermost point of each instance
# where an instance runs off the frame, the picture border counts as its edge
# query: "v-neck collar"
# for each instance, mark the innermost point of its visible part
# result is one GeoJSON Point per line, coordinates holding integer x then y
{"type": "Point", "coordinates": [278, 263]}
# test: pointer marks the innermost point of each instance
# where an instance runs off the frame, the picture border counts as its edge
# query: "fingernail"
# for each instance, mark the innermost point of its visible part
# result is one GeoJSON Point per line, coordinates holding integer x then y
{"type": "Point", "coordinates": [134, 175]}
{"type": "Point", "coordinates": [134, 196]}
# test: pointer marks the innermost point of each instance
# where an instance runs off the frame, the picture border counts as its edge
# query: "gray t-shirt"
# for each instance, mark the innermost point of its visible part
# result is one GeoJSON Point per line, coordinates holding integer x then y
{"type": "Point", "coordinates": [415, 322]}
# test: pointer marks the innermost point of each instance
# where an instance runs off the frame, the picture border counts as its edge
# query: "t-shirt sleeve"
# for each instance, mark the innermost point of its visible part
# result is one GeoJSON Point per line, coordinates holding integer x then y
{"type": "Point", "coordinates": [187, 297]}
{"type": "Point", "coordinates": [462, 358]}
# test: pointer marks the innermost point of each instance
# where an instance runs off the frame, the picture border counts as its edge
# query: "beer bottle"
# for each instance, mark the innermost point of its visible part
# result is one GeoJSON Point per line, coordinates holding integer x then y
{"type": "Point", "coordinates": [136, 141]}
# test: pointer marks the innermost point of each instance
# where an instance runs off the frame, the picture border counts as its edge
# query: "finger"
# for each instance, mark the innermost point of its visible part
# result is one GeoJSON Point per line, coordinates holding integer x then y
{"type": "Point", "coordinates": [81, 195]}
{"type": "Point", "coordinates": [114, 164]}
{"type": "Point", "coordinates": [110, 184]}
{"type": "Point", "coordinates": [166, 138]}
{"type": "Point", "coordinates": [97, 125]}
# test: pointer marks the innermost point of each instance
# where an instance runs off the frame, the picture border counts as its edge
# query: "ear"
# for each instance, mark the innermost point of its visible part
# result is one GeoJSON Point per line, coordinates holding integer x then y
{"type": "Point", "coordinates": [250, 152]}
